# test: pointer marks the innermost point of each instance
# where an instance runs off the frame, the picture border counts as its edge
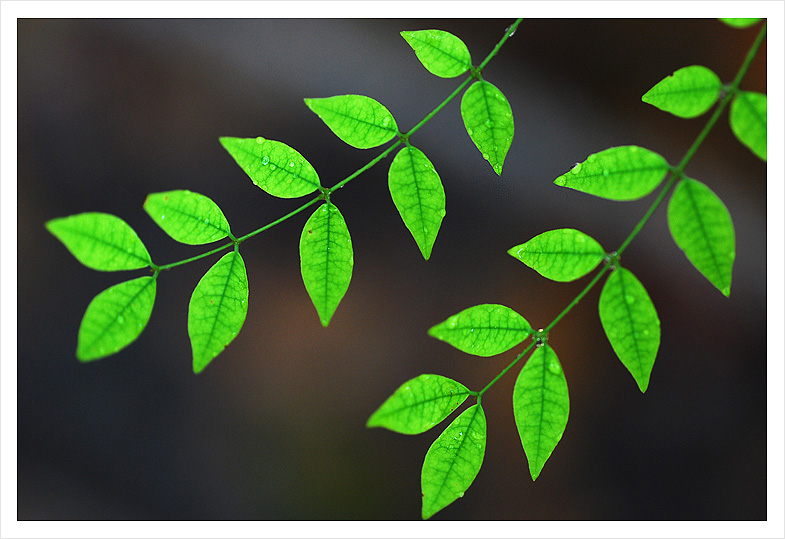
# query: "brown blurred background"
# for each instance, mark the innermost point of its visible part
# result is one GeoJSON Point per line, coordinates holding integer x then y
{"type": "Point", "coordinates": [111, 110]}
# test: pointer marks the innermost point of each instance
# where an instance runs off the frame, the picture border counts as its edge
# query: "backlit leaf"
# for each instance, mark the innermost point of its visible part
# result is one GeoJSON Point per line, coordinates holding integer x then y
{"type": "Point", "coordinates": [417, 192]}
{"type": "Point", "coordinates": [187, 217]}
{"type": "Point", "coordinates": [620, 173]}
{"type": "Point", "coordinates": [326, 259]}
{"type": "Point", "coordinates": [419, 404]}
{"type": "Point", "coordinates": [748, 121]}
{"type": "Point", "coordinates": [687, 93]}
{"type": "Point", "coordinates": [101, 241]}
{"type": "Point", "coordinates": [488, 119]}
{"type": "Point", "coordinates": [701, 226]}
{"type": "Point", "coordinates": [115, 318]}
{"type": "Point", "coordinates": [740, 23]}
{"type": "Point", "coordinates": [541, 406]}
{"type": "Point", "coordinates": [217, 309]}
{"type": "Point", "coordinates": [631, 324]}
{"type": "Point", "coordinates": [483, 330]}
{"type": "Point", "coordinates": [274, 167]}
{"type": "Point", "coordinates": [357, 120]}
{"type": "Point", "coordinates": [440, 52]}
{"type": "Point", "coordinates": [563, 255]}
{"type": "Point", "coordinates": [453, 461]}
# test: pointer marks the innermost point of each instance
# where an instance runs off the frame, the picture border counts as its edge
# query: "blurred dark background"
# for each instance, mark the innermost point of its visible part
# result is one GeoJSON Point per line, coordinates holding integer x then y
{"type": "Point", "coordinates": [111, 110]}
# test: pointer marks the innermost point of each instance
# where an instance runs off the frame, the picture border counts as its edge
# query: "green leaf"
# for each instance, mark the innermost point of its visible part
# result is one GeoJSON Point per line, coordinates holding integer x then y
{"type": "Point", "coordinates": [631, 324]}
{"type": "Point", "coordinates": [488, 119]}
{"type": "Point", "coordinates": [101, 241]}
{"type": "Point", "coordinates": [687, 93]}
{"type": "Point", "coordinates": [115, 318]}
{"type": "Point", "coordinates": [187, 217]}
{"type": "Point", "coordinates": [620, 173]}
{"type": "Point", "coordinates": [748, 121]}
{"type": "Point", "coordinates": [417, 192]}
{"type": "Point", "coordinates": [440, 52]}
{"type": "Point", "coordinates": [740, 23]}
{"type": "Point", "coordinates": [541, 406]}
{"type": "Point", "coordinates": [274, 167]}
{"type": "Point", "coordinates": [563, 255]}
{"type": "Point", "coordinates": [453, 461]}
{"type": "Point", "coordinates": [326, 259]}
{"type": "Point", "coordinates": [483, 330]}
{"type": "Point", "coordinates": [217, 309]}
{"type": "Point", "coordinates": [419, 404]}
{"type": "Point", "coordinates": [701, 226]}
{"type": "Point", "coordinates": [357, 120]}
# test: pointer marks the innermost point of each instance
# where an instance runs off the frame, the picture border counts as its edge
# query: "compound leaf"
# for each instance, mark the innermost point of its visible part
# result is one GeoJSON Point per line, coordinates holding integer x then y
{"type": "Point", "coordinates": [115, 318]}
{"type": "Point", "coordinates": [453, 461]}
{"type": "Point", "coordinates": [620, 173]}
{"type": "Point", "coordinates": [631, 324]}
{"type": "Point", "coordinates": [563, 255]}
{"type": "Point", "coordinates": [358, 120]}
{"type": "Point", "coordinates": [687, 93]}
{"type": "Point", "coordinates": [483, 330]}
{"type": "Point", "coordinates": [748, 121]}
{"type": "Point", "coordinates": [541, 406]}
{"type": "Point", "coordinates": [274, 167]}
{"type": "Point", "coordinates": [701, 226]}
{"type": "Point", "coordinates": [417, 192]}
{"type": "Point", "coordinates": [217, 309]}
{"type": "Point", "coordinates": [488, 119]}
{"type": "Point", "coordinates": [187, 217]}
{"type": "Point", "coordinates": [740, 23]}
{"type": "Point", "coordinates": [101, 241]}
{"type": "Point", "coordinates": [440, 52]}
{"type": "Point", "coordinates": [419, 404]}
{"type": "Point", "coordinates": [326, 259]}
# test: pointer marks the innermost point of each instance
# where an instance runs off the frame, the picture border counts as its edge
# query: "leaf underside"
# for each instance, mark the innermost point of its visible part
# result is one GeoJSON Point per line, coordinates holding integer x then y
{"type": "Point", "coordinates": [541, 406]}
{"type": "Point", "coordinates": [748, 121]}
{"type": "Point", "coordinates": [488, 119]}
{"type": "Point", "coordinates": [115, 318]}
{"type": "Point", "coordinates": [358, 120]}
{"type": "Point", "coordinates": [702, 227]}
{"type": "Point", "coordinates": [187, 217]}
{"type": "Point", "coordinates": [453, 461]}
{"type": "Point", "coordinates": [562, 255]}
{"type": "Point", "coordinates": [440, 52]}
{"type": "Point", "coordinates": [631, 324]}
{"type": "Point", "coordinates": [217, 309]}
{"type": "Point", "coordinates": [326, 259]}
{"type": "Point", "coordinates": [483, 330]}
{"type": "Point", "coordinates": [619, 173]}
{"type": "Point", "coordinates": [419, 404]}
{"type": "Point", "coordinates": [687, 93]}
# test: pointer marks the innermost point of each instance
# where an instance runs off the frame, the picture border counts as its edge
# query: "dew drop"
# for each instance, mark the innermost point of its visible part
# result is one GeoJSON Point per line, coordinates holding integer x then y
{"type": "Point", "coordinates": [120, 319]}
{"type": "Point", "coordinates": [442, 213]}
{"type": "Point", "coordinates": [576, 168]}
{"type": "Point", "coordinates": [259, 140]}
{"type": "Point", "coordinates": [605, 172]}
{"type": "Point", "coordinates": [469, 131]}
{"type": "Point", "coordinates": [163, 217]}
{"type": "Point", "coordinates": [266, 160]}
{"type": "Point", "coordinates": [272, 167]}
{"type": "Point", "coordinates": [488, 123]}
{"type": "Point", "coordinates": [554, 367]}
{"type": "Point", "coordinates": [207, 221]}
{"type": "Point", "coordinates": [460, 494]}
{"type": "Point", "coordinates": [291, 164]}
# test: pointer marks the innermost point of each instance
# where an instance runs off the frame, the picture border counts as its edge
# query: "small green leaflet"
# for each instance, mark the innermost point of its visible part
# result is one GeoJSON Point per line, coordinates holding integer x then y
{"type": "Point", "coordinates": [701, 226]}
{"type": "Point", "coordinates": [488, 119]}
{"type": "Point", "coordinates": [620, 173]}
{"type": "Point", "coordinates": [101, 241]}
{"type": "Point", "coordinates": [417, 192]}
{"type": "Point", "coordinates": [187, 217]}
{"type": "Point", "coordinates": [217, 309]}
{"type": "Point", "coordinates": [326, 259]}
{"type": "Point", "coordinates": [419, 404]}
{"type": "Point", "coordinates": [115, 318]}
{"type": "Point", "coordinates": [631, 324]}
{"type": "Point", "coordinates": [274, 167]}
{"type": "Point", "coordinates": [440, 52]}
{"type": "Point", "coordinates": [748, 121]}
{"type": "Point", "coordinates": [541, 406]}
{"type": "Point", "coordinates": [740, 23]}
{"type": "Point", "coordinates": [483, 330]}
{"type": "Point", "coordinates": [357, 120]}
{"type": "Point", "coordinates": [453, 461]}
{"type": "Point", "coordinates": [687, 93]}
{"type": "Point", "coordinates": [563, 255]}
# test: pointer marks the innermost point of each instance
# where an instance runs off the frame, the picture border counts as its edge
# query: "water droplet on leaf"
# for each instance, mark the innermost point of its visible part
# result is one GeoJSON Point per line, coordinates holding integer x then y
{"type": "Point", "coordinates": [266, 160]}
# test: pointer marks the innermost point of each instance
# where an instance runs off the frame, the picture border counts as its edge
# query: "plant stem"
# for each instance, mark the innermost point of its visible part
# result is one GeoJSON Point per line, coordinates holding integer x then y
{"type": "Point", "coordinates": [327, 192]}
{"type": "Point", "coordinates": [675, 175]}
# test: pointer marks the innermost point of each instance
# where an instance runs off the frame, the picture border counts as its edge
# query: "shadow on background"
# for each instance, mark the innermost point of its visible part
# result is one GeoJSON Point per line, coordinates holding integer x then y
{"type": "Point", "coordinates": [111, 110]}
